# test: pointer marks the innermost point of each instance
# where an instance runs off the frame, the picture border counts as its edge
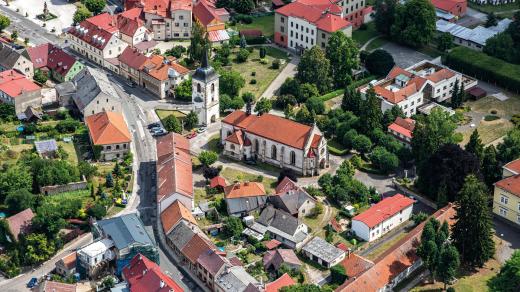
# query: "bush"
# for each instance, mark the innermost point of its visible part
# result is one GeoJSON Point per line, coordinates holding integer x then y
{"type": "Point", "coordinates": [276, 64]}
{"type": "Point", "coordinates": [67, 126]}
{"type": "Point", "coordinates": [253, 73]}
{"type": "Point", "coordinates": [489, 118]}
{"type": "Point", "coordinates": [242, 55]}
{"type": "Point", "coordinates": [253, 81]}
{"type": "Point", "coordinates": [337, 274]}
{"type": "Point", "coordinates": [484, 67]}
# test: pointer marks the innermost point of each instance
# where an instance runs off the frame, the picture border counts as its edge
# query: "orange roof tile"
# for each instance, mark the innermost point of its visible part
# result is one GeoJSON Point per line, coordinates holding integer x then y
{"type": "Point", "coordinates": [108, 128]}
{"type": "Point", "coordinates": [355, 265]}
{"type": "Point", "coordinates": [313, 12]}
{"type": "Point", "coordinates": [196, 247]}
{"type": "Point", "coordinates": [20, 222]}
{"type": "Point", "coordinates": [284, 281]}
{"type": "Point", "coordinates": [285, 185]}
{"type": "Point", "coordinates": [383, 210]}
{"type": "Point", "coordinates": [173, 214]}
{"type": "Point", "coordinates": [15, 84]}
{"type": "Point", "coordinates": [394, 260]}
{"type": "Point", "coordinates": [158, 67]}
{"type": "Point", "coordinates": [174, 168]}
{"type": "Point", "coordinates": [69, 261]}
{"type": "Point", "coordinates": [396, 71]}
{"type": "Point", "coordinates": [403, 126]}
{"type": "Point", "coordinates": [272, 244]}
{"type": "Point", "coordinates": [510, 184]}
{"type": "Point", "coordinates": [239, 119]}
{"type": "Point", "coordinates": [440, 75]}
{"type": "Point", "coordinates": [217, 181]}
{"type": "Point", "coordinates": [513, 166]}
{"type": "Point", "coordinates": [143, 275]}
{"type": "Point", "coordinates": [236, 138]}
{"type": "Point", "coordinates": [52, 286]}
{"type": "Point", "coordinates": [245, 189]}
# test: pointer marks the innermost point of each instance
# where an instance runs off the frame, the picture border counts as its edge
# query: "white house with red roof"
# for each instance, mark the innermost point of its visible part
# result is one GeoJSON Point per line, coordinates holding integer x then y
{"type": "Point", "coordinates": [143, 275]}
{"type": "Point", "coordinates": [382, 217]}
{"type": "Point", "coordinates": [108, 130]}
{"type": "Point", "coordinates": [402, 130]}
{"type": "Point", "coordinates": [275, 140]}
{"type": "Point", "coordinates": [303, 24]}
{"type": "Point", "coordinates": [414, 86]}
{"type": "Point", "coordinates": [19, 91]}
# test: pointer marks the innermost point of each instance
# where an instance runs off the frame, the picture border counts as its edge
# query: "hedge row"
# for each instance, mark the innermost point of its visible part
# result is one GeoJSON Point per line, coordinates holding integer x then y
{"type": "Point", "coordinates": [484, 67]}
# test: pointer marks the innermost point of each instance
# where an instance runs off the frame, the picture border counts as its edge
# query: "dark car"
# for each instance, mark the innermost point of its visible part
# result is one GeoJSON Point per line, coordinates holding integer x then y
{"type": "Point", "coordinates": [153, 125]}
{"type": "Point", "coordinates": [250, 162]}
{"type": "Point", "coordinates": [32, 283]}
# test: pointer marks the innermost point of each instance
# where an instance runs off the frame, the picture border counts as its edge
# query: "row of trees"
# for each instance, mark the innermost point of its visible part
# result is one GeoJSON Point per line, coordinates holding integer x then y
{"type": "Point", "coordinates": [505, 45]}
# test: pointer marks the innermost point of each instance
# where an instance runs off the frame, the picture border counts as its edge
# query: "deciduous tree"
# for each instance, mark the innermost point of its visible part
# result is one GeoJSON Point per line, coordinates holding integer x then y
{"type": "Point", "coordinates": [4, 22]}
{"type": "Point", "coordinates": [231, 82]}
{"type": "Point", "coordinates": [414, 23]}
{"type": "Point", "coordinates": [19, 200]}
{"type": "Point", "coordinates": [314, 68]}
{"type": "Point", "coordinates": [172, 124]}
{"type": "Point", "coordinates": [81, 14]}
{"type": "Point", "coordinates": [342, 53]}
{"type": "Point", "coordinates": [379, 62]}
{"type": "Point", "coordinates": [191, 120]}
{"type": "Point", "coordinates": [263, 106]}
{"type": "Point", "coordinates": [508, 279]}
{"type": "Point", "coordinates": [207, 158]}
{"type": "Point", "coordinates": [95, 6]}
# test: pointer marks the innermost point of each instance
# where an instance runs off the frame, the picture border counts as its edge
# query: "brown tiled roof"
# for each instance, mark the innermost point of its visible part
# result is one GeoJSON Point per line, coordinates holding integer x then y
{"type": "Point", "coordinates": [51, 286]}
{"type": "Point", "coordinates": [205, 13]}
{"type": "Point", "coordinates": [394, 260]}
{"type": "Point", "coordinates": [510, 184]}
{"type": "Point", "coordinates": [158, 66]}
{"type": "Point", "coordinates": [211, 262]}
{"type": "Point", "coordinates": [19, 223]}
{"type": "Point", "coordinates": [174, 168]}
{"type": "Point", "coordinates": [108, 128]}
{"type": "Point", "coordinates": [196, 247]}
{"type": "Point", "coordinates": [173, 214]}
{"type": "Point", "coordinates": [133, 58]}
{"type": "Point", "coordinates": [355, 265]}
{"type": "Point", "coordinates": [513, 166]}
{"type": "Point", "coordinates": [272, 244]}
{"type": "Point", "coordinates": [69, 261]}
{"type": "Point", "coordinates": [285, 185]}
{"type": "Point", "coordinates": [440, 75]}
{"type": "Point", "coordinates": [284, 281]}
{"type": "Point", "coordinates": [245, 189]}
{"type": "Point", "coordinates": [236, 138]}
{"type": "Point", "coordinates": [217, 181]}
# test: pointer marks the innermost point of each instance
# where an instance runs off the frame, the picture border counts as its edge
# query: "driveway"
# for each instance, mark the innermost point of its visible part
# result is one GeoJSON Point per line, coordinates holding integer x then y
{"type": "Point", "coordinates": [288, 71]}
{"type": "Point", "coordinates": [509, 239]}
{"type": "Point", "coordinates": [404, 57]}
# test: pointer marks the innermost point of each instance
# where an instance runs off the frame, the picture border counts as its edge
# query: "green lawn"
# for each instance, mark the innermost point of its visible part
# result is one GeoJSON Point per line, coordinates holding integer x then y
{"type": "Point", "coordinates": [430, 51]}
{"type": "Point", "coordinates": [264, 74]}
{"type": "Point", "coordinates": [362, 36]}
{"type": "Point", "coordinates": [57, 199]}
{"type": "Point", "coordinates": [165, 113]}
{"type": "Point", "coordinates": [502, 10]}
{"type": "Point", "coordinates": [71, 150]}
{"type": "Point", "coordinates": [336, 148]}
{"type": "Point", "coordinates": [232, 175]}
{"type": "Point", "coordinates": [263, 23]}
{"type": "Point", "coordinates": [214, 143]}
{"type": "Point", "coordinates": [276, 53]}
{"type": "Point", "coordinates": [377, 43]}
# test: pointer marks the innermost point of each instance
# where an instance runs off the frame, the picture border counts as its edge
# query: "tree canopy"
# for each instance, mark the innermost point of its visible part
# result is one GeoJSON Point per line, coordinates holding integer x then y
{"type": "Point", "coordinates": [342, 52]}
{"type": "Point", "coordinates": [414, 23]}
{"type": "Point", "coordinates": [314, 68]}
{"type": "Point", "coordinates": [379, 62]}
{"type": "Point", "coordinates": [231, 82]}
{"type": "Point", "coordinates": [508, 279]}
{"type": "Point", "coordinates": [95, 6]}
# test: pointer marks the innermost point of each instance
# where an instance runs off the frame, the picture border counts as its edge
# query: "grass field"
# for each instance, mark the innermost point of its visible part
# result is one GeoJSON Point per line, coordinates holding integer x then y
{"type": "Point", "coordinates": [165, 113]}
{"type": "Point", "coordinates": [502, 10]}
{"type": "Point", "coordinates": [362, 36]}
{"type": "Point", "coordinates": [489, 131]}
{"type": "Point", "coordinates": [232, 175]}
{"type": "Point", "coordinates": [57, 199]}
{"type": "Point", "coordinates": [263, 23]}
{"type": "Point", "coordinates": [503, 108]}
{"type": "Point", "coordinates": [377, 43]}
{"type": "Point", "coordinates": [71, 150]}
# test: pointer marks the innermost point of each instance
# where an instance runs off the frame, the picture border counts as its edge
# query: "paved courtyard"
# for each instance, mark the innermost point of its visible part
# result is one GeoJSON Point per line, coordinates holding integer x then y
{"type": "Point", "coordinates": [404, 56]}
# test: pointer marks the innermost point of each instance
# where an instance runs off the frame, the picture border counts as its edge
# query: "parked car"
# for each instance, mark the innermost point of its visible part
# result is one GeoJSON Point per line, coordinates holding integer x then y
{"type": "Point", "coordinates": [250, 162]}
{"type": "Point", "coordinates": [191, 135]}
{"type": "Point", "coordinates": [155, 129]}
{"type": "Point", "coordinates": [161, 132]}
{"type": "Point", "coordinates": [153, 125]}
{"type": "Point", "coordinates": [32, 283]}
{"type": "Point", "coordinates": [201, 130]}
{"type": "Point", "coordinates": [131, 84]}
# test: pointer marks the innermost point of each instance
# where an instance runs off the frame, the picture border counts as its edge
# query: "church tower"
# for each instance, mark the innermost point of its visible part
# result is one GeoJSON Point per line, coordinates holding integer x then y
{"type": "Point", "coordinates": [205, 92]}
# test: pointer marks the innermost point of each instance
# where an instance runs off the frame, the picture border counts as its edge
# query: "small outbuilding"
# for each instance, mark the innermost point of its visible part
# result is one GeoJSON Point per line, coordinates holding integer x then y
{"type": "Point", "coordinates": [46, 148]}
{"type": "Point", "coordinates": [322, 252]}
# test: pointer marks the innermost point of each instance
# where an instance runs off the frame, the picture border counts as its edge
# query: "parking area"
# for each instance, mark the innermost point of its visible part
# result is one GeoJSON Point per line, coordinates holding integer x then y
{"type": "Point", "coordinates": [404, 57]}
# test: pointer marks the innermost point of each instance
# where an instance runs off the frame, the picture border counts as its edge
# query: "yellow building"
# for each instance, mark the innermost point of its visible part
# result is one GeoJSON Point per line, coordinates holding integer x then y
{"type": "Point", "coordinates": [506, 198]}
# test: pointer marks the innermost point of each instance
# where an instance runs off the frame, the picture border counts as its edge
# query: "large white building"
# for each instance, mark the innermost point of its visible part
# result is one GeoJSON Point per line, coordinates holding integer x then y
{"type": "Point", "coordinates": [382, 217]}
{"type": "Point", "coordinates": [275, 140]}
{"type": "Point", "coordinates": [416, 85]}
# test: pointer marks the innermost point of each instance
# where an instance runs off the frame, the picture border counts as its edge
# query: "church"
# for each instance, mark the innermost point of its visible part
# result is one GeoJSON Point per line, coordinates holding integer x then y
{"type": "Point", "coordinates": [205, 93]}
{"type": "Point", "coordinates": [275, 140]}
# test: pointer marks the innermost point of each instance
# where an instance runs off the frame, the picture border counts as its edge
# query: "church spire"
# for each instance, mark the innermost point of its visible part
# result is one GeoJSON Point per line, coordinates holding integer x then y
{"type": "Point", "coordinates": [205, 61]}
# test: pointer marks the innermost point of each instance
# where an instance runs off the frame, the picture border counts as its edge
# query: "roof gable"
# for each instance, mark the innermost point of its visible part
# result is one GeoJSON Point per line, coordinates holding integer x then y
{"type": "Point", "coordinates": [383, 210]}
{"type": "Point", "coordinates": [108, 128]}
{"type": "Point", "coordinates": [173, 214]}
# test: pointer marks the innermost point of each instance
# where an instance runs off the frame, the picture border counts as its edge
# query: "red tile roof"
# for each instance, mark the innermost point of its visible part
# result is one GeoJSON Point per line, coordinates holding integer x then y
{"type": "Point", "coordinates": [159, 67]}
{"type": "Point", "coordinates": [96, 31]}
{"type": "Point", "coordinates": [284, 281]}
{"type": "Point", "coordinates": [313, 12]}
{"type": "Point", "coordinates": [446, 5]}
{"type": "Point", "coordinates": [108, 128]}
{"type": "Point", "coordinates": [174, 168]}
{"type": "Point", "coordinates": [196, 247]}
{"type": "Point", "coordinates": [133, 58]}
{"type": "Point", "coordinates": [217, 181]}
{"type": "Point", "coordinates": [394, 260]}
{"type": "Point", "coordinates": [143, 275]}
{"type": "Point", "coordinates": [403, 126]}
{"type": "Point", "coordinates": [513, 166]}
{"type": "Point", "coordinates": [272, 244]}
{"type": "Point", "coordinates": [69, 261]}
{"type": "Point", "coordinates": [236, 138]}
{"type": "Point", "coordinates": [173, 214]}
{"type": "Point", "coordinates": [130, 21]}
{"type": "Point", "coordinates": [15, 84]}
{"type": "Point", "coordinates": [440, 75]}
{"type": "Point", "coordinates": [355, 265]}
{"type": "Point", "coordinates": [51, 286]}
{"type": "Point", "coordinates": [285, 185]}
{"type": "Point", "coordinates": [211, 262]}
{"type": "Point", "coordinates": [243, 190]}
{"type": "Point", "coordinates": [335, 225]}
{"type": "Point", "coordinates": [205, 13]}
{"type": "Point", "coordinates": [510, 184]}
{"type": "Point", "coordinates": [20, 223]}
{"type": "Point", "coordinates": [383, 210]}
{"type": "Point", "coordinates": [289, 132]}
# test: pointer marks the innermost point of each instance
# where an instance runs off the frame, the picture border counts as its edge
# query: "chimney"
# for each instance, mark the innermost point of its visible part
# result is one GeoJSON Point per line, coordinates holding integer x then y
{"type": "Point", "coordinates": [246, 183]}
{"type": "Point", "coordinates": [162, 284]}
{"type": "Point", "coordinates": [348, 252]}
{"type": "Point", "coordinates": [144, 271]}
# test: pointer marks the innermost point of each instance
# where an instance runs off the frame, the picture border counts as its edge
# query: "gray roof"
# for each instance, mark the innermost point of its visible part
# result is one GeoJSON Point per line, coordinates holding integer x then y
{"type": "Point", "coordinates": [125, 230]}
{"type": "Point", "coordinates": [46, 146]}
{"type": "Point", "coordinates": [91, 83]}
{"type": "Point", "coordinates": [290, 201]}
{"type": "Point", "coordinates": [235, 279]}
{"type": "Point", "coordinates": [205, 73]}
{"type": "Point", "coordinates": [246, 204]}
{"type": "Point", "coordinates": [279, 219]}
{"type": "Point", "coordinates": [477, 35]}
{"type": "Point", "coordinates": [322, 249]}
{"type": "Point", "coordinates": [8, 56]}
{"type": "Point", "coordinates": [65, 89]}
{"type": "Point", "coordinates": [181, 234]}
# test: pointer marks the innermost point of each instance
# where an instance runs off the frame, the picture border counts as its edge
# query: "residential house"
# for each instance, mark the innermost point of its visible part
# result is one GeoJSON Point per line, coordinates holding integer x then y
{"type": "Point", "coordinates": [299, 147]}
{"type": "Point", "coordinates": [234, 278]}
{"type": "Point", "coordinates": [402, 130]}
{"type": "Point", "coordinates": [108, 131]}
{"type": "Point", "coordinates": [52, 286]}
{"type": "Point", "coordinates": [95, 258]}
{"type": "Point", "coordinates": [66, 266]}
{"type": "Point", "coordinates": [284, 281]}
{"type": "Point", "coordinates": [213, 20]}
{"type": "Point", "coordinates": [64, 93]}
{"type": "Point", "coordinates": [209, 264]}
{"type": "Point", "coordinates": [295, 201]}
{"type": "Point", "coordinates": [46, 148]}
{"type": "Point", "coordinates": [382, 217]}
{"type": "Point", "coordinates": [473, 38]}
{"type": "Point", "coordinates": [506, 197]}
{"type": "Point", "coordinates": [355, 265]}
{"type": "Point", "coordinates": [19, 224]}
{"type": "Point", "coordinates": [129, 236]}
{"type": "Point", "coordinates": [174, 172]}
{"type": "Point", "coordinates": [244, 198]}
{"type": "Point", "coordinates": [180, 235]}
{"type": "Point", "coordinates": [131, 63]}
{"type": "Point", "coordinates": [397, 263]}
{"type": "Point", "coordinates": [131, 27]}
{"type": "Point", "coordinates": [93, 93]}
{"type": "Point", "coordinates": [450, 10]}
{"type": "Point", "coordinates": [55, 62]}
{"type": "Point", "coordinates": [11, 59]}
{"type": "Point", "coordinates": [511, 168]}
{"type": "Point", "coordinates": [274, 259]}
{"type": "Point", "coordinates": [280, 225]}
{"type": "Point", "coordinates": [161, 75]}
{"type": "Point", "coordinates": [167, 19]}
{"type": "Point", "coordinates": [197, 246]}
{"type": "Point", "coordinates": [19, 91]}
{"type": "Point", "coordinates": [143, 275]}
{"type": "Point", "coordinates": [173, 214]}
{"type": "Point", "coordinates": [322, 252]}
